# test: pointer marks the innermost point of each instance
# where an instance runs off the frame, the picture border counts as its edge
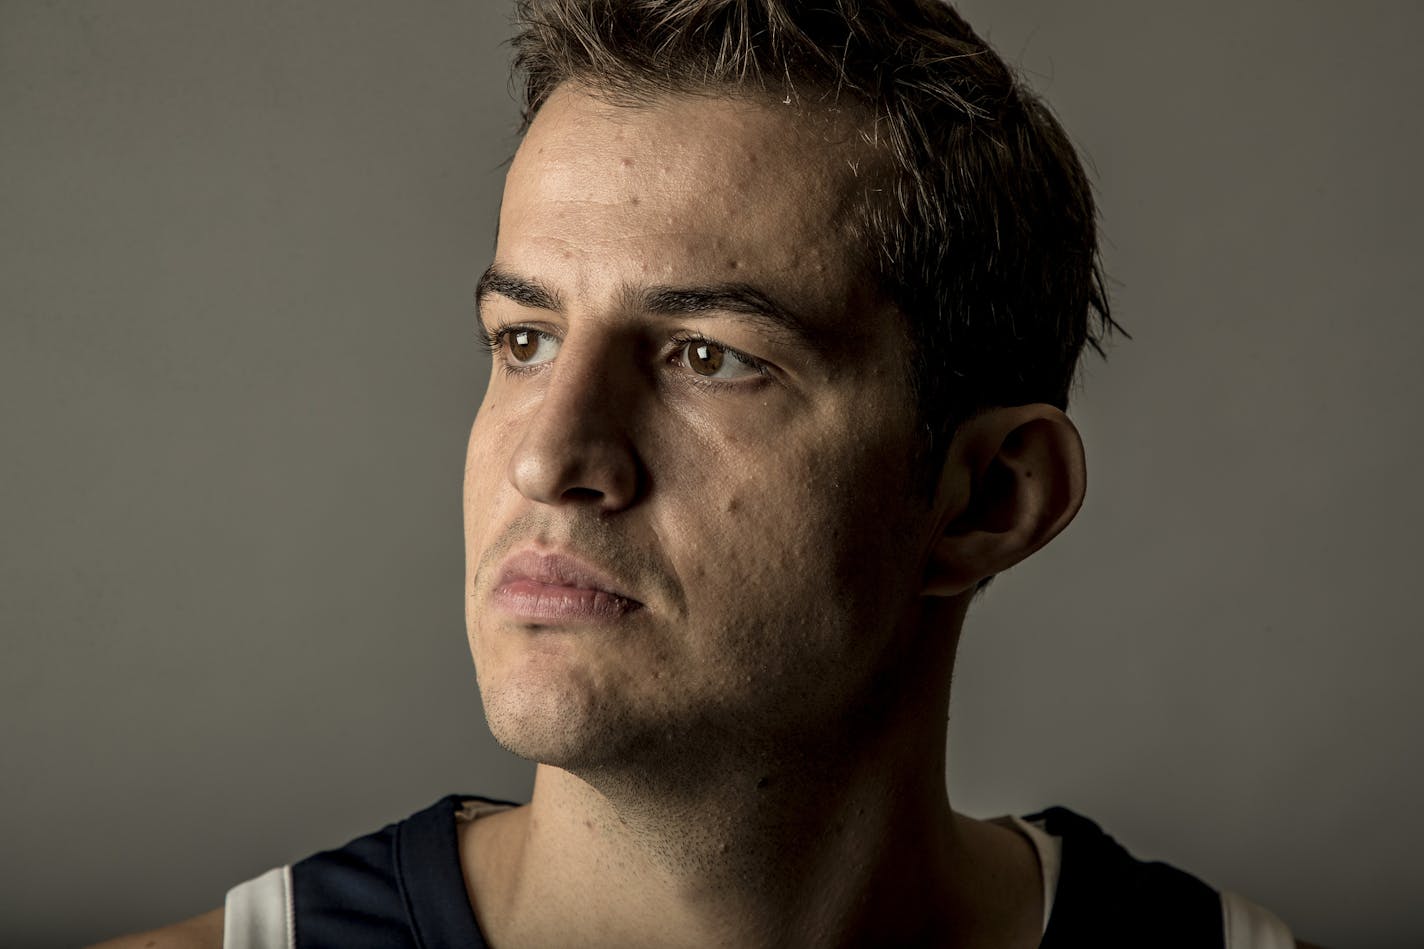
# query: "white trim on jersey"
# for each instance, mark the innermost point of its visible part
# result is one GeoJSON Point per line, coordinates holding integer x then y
{"type": "Point", "coordinates": [1249, 926]}
{"type": "Point", "coordinates": [1050, 857]}
{"type": "Point", "coordinates": [258, 914]}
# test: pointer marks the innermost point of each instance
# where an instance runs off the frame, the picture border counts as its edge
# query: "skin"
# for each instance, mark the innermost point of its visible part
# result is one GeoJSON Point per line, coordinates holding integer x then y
{"type": "Point", "coordinates": [758, 752]}
{"type": "Point", "coordinates": [756, 755]}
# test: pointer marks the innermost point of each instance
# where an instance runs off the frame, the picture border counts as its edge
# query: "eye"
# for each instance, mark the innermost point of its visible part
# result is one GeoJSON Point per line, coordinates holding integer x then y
{"type": "Point", "coordinates": [714, 361]}
{"type": "Point", "coordinates": [528, 347]}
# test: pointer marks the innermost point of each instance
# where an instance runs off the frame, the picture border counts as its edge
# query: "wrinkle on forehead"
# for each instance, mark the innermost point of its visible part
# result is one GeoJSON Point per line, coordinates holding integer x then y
{"type": "Point", "coordinates": [716, 113]}
{"type": "Point", "coordinates": [698, 178]}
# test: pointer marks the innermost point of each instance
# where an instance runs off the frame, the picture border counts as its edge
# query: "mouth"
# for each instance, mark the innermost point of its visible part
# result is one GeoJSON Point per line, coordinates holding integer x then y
{"type": "Point", "coordinates": [551, 587]}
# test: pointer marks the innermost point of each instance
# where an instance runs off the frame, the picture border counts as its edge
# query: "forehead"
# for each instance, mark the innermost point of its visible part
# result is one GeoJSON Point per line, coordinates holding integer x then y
{"type": "Point", "coordinates": [690, 187]}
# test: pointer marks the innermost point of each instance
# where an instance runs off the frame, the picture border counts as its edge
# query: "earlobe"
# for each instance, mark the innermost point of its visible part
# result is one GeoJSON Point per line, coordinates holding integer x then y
{"type": "Point", "coordinates": [1013, 478]}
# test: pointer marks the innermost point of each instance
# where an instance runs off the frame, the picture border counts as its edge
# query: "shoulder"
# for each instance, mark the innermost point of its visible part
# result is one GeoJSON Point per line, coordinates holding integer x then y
{"type": "Point", "coordinates": [1107, 896]}
{"type": "Point", "coordinates": [325, 887]}
{"type": "Point", "coordinates": [200, 932]}
{"type": "Point", "coordinates": [1097, 874]}
{"type": "Point", "coordinates": [402, 886]}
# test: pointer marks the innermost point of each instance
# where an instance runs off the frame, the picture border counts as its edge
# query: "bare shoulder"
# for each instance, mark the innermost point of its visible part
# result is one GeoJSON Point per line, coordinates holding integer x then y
{"type": "Point", "coordinates": [200, 932]}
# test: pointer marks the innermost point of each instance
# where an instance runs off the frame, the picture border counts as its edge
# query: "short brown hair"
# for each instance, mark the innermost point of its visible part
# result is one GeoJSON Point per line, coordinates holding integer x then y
{"type": "Point", "coordinates": [985, 237]}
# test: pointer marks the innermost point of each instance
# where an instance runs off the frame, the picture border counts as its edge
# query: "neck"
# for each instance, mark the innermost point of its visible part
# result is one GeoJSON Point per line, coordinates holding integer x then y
{"type": "Point", "coordinates": [835, 856]}
{"type": "Point", "coordinates": [848, 842]}
{"type": "Point", "coordinates": [801, 860]}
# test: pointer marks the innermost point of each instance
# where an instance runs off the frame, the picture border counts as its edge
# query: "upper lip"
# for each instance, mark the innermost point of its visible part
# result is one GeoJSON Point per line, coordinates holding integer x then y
{"type": "Point", "coordinates": [558, 569]}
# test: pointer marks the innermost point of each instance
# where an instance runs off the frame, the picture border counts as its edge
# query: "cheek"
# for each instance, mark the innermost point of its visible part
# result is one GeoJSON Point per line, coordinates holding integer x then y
{"type": "Point", "coordinates": [791, 604]}
{"type": "Point", "coordinates": [476, 468]}
{"type": "Point", "coordinates": [486, 458]}
{"type": "Point", "coordinates": [791, 533]}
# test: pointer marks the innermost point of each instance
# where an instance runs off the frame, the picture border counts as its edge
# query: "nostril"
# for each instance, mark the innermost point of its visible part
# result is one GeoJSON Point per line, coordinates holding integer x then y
{"type": "Point", "coordinates": [582, 494]}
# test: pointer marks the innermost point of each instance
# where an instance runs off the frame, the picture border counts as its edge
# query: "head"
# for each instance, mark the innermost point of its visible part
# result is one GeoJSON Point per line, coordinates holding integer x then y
{"type": "Point", "coordinates": [785, 309]}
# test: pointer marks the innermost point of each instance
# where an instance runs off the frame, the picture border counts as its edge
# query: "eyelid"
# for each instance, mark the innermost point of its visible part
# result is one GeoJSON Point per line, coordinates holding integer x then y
{"type": "Point", "coordinates": [500, 330]}
{"type": "Point", "coordinates": [494, 337]}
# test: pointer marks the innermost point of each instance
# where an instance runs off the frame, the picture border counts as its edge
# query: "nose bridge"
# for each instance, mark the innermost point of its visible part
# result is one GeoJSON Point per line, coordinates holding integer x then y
{"type": "Point", "coordinates": [577, 445]}
{"type": "Point", "coordinates": [588, 363]}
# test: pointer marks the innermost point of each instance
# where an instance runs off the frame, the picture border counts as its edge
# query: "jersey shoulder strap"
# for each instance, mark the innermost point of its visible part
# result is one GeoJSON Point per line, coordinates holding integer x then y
{"type": "Point", "coordinates": [1107, 898]}
{"type": "Point", "coordinates": [398, 888]}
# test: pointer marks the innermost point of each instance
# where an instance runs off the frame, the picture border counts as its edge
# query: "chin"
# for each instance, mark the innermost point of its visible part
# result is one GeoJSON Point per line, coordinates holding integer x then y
{"type": "Point", "coordinates": [553, 703]}
{"type": "Point", "coordinates": [559, 725]}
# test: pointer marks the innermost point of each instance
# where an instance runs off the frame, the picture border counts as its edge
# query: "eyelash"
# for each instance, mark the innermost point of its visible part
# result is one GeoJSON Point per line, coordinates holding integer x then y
{"type": "Point", "coordinates": [492, 342]}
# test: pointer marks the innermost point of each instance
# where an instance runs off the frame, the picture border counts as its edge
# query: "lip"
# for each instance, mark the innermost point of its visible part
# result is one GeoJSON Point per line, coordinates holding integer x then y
{"type": "Point", "coordinates": [549, 586]}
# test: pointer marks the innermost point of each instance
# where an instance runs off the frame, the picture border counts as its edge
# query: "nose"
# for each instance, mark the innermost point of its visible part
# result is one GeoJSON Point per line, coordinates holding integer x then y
{"type": "Point", "coordinates": [577, 447]}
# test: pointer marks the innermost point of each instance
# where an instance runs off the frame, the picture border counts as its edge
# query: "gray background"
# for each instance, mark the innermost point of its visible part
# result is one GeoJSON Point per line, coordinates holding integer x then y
{"type": "Point", "coordinates": [237, 249]}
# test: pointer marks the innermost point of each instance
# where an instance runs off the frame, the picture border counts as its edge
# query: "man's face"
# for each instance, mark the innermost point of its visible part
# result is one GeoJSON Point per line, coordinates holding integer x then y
{"type": "Point", "coordinates": [698, 395]}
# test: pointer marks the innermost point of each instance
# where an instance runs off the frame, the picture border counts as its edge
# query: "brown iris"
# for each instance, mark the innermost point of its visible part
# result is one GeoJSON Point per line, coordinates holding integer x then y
{"type": "Point", "coordinates": [522, 344]}
{"type": "Point", "coordinates": [705, 358]}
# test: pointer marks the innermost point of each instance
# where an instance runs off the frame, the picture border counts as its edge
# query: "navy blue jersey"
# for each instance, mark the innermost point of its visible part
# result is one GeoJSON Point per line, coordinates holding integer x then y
{"type": "Point", "coordinates": [401, 886]}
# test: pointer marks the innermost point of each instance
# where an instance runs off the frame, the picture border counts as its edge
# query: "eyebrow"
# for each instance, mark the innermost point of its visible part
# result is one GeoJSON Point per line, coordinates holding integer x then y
{"type": "Point", "coordinates": [741, 299]}
{"type": "Point", "coordinates": [498, 282]}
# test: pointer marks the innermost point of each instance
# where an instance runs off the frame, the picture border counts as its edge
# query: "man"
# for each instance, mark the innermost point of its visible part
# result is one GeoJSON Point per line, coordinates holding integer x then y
{"type": "Point", "coordinates": [784, 312]}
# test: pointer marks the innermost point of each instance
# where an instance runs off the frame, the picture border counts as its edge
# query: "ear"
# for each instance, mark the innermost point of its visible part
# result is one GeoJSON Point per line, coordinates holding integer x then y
{"type": "Point", "coordinates": [1013, 478]}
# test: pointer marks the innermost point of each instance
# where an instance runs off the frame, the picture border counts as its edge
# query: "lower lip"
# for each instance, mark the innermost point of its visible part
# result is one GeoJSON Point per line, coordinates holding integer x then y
{"type": "Point", "coordinates": [535, 602]}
